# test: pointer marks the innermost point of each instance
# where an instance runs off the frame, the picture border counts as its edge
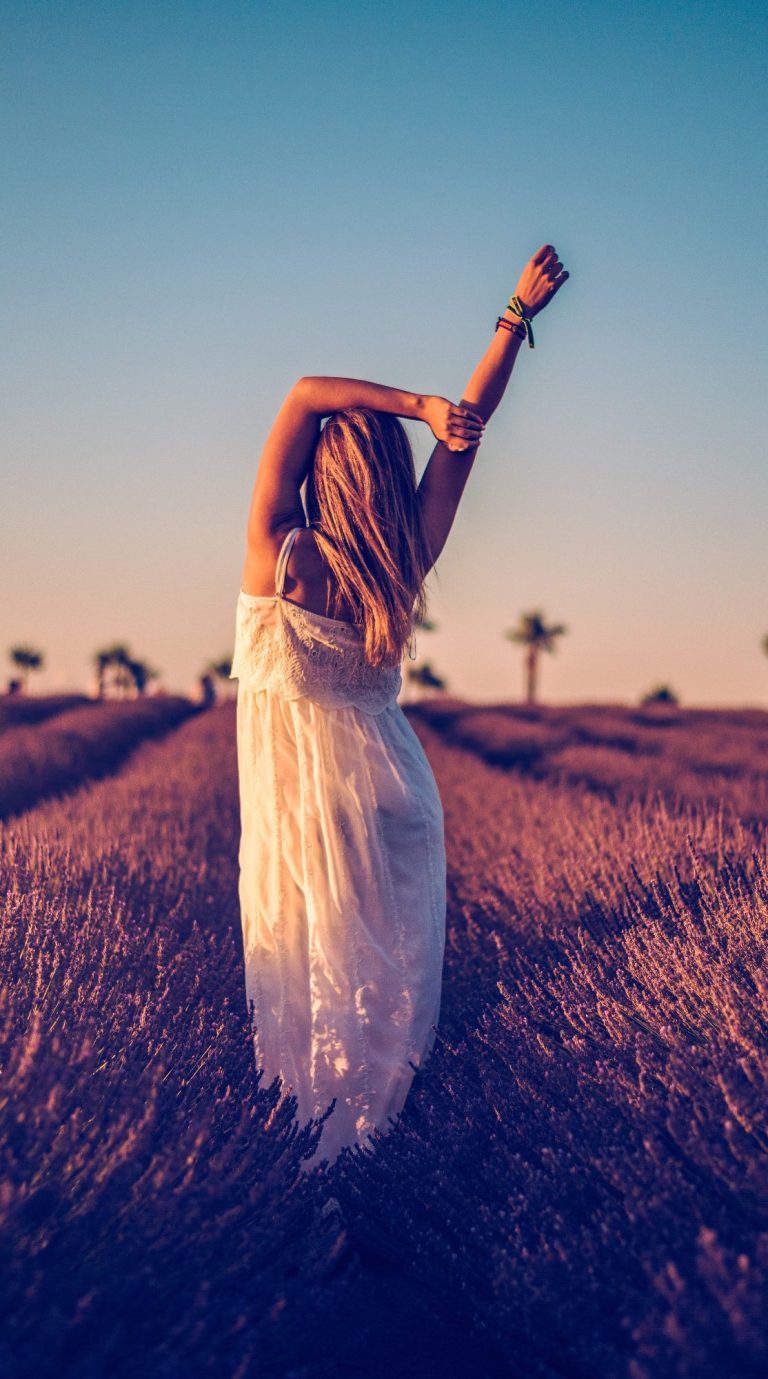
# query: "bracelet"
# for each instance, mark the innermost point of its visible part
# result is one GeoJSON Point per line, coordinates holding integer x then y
{"type": "Point", "coordinates": [510, 326]}
{"type": "Point", "coordinates": [514, 304]}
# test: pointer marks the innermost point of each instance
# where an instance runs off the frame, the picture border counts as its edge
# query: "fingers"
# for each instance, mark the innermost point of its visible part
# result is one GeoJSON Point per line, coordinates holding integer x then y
{"type": "Point", "coordinates": [546, 258]}
{"type": "Point", "coordinates": [465, 415]}
{"type": "Point", "coordinates": [462, 422]}
{"type": "Point", "coordinates": [456, 441]}
{"type": "Point", "coordinates": [552, 265]}
{"type": "Point", "coordinates": [462, 428]}
{"type": "Point", "coordinates": [554, 273]}
{"type": "Point", "coordinates": [555, 283]}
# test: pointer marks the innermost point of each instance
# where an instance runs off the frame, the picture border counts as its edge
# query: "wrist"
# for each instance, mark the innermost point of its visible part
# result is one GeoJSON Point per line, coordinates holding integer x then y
{"type": "Point", "coordinates": [517, 314]}
{"type": "Point", "coordinates": [515, 336]}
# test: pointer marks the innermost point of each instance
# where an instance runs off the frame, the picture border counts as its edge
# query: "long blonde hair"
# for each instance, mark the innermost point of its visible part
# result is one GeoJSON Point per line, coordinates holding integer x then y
{"type": "Point", "coordinates": [362, 504]}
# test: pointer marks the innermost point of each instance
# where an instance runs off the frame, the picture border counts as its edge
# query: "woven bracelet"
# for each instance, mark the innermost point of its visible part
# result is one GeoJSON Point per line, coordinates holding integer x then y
{"type": "Point", "coordinates": [516, 305]}
{"type": "Point", "coordinates": [510, 326]}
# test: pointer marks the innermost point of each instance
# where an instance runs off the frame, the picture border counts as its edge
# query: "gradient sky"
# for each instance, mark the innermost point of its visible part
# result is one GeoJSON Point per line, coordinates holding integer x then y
{"type": "Point", "coordinates": [204, 201]}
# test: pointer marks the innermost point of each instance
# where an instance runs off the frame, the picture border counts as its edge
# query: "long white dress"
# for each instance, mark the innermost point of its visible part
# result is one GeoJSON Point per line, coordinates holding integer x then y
{"type": "Point", "coordinates": [342, 878]}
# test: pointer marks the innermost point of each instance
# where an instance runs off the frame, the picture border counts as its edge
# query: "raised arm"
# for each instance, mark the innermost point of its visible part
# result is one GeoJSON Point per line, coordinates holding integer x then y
{"type": "Point", "coordinates": [323, 395]}
{"type": "Point", "coordinates": [287, 455]}
{"type": "Point", "coordinates": [446, 473]}
{"type": "Point", "coordinates": [450, 422]}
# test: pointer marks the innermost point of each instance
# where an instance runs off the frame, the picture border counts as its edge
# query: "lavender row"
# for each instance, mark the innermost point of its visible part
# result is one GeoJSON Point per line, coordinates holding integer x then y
{"type": "Point", "coordinates": [16, 709]}
{"type": "Point", "coordinates": [700, 755]}
{"type": "Point", "coordinates": [57, 755]}
{"type": "Point", "coordinates": [152, 1201]}
{"type": "Point", "coordinates": [584, 1171]}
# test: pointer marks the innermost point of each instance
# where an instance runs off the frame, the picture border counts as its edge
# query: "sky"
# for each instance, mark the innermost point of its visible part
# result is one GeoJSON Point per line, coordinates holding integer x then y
{"type": "Point", "coordinates": [205, 201]}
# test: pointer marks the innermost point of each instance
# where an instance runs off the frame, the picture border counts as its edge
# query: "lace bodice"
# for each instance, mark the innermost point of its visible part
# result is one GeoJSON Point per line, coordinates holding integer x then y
{"type": "Point", "coordinates": [298, 653]}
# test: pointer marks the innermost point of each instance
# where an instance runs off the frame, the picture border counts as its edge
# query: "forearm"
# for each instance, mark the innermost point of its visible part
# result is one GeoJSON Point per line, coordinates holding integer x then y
{"type": "Point", "coordinates": [486, 387]}
{"type": "Point", "coordinates": [324, 395]}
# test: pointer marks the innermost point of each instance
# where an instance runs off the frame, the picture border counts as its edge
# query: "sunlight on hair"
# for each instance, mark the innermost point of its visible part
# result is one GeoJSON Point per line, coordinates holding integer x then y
{"type": "Point", "coordinates": [362, 503]}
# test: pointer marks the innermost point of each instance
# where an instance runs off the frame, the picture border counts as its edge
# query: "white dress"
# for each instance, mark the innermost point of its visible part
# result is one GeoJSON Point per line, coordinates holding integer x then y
{"type": "Point", "coordinates": [342, 879]}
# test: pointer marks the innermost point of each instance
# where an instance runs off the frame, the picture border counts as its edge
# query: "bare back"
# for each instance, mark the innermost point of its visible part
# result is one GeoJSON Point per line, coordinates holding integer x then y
{"type": "Point", "coordinates": [308, 580]}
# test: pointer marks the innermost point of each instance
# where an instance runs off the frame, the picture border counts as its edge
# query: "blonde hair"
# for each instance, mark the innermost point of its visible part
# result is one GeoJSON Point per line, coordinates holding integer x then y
{"type": "Point", "coordinates": [362, 504]}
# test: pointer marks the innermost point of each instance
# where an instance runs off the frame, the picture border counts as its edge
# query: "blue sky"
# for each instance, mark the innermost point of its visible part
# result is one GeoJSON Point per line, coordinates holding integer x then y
{"type": "Point", "coordinates": [205, 201]}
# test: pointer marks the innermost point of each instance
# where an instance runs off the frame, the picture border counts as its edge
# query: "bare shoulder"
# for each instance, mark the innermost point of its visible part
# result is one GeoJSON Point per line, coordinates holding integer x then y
{"type": "Point", "coordinates": [262, 555]}
{"type": "Point", "coordinates": [308, 581]}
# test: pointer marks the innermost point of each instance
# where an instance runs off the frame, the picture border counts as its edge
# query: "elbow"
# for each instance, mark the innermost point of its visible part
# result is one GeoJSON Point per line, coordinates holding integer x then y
{"type": "Point", "coordinates": [484, 408]}
{"type": "Point", "coordinates": [310, 393]}
{"type": "Point", "coordinates": [305, 390]}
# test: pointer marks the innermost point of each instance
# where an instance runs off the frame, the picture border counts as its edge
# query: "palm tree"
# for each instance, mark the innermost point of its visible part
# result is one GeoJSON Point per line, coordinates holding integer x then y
{"type": "Point", "coordinates": [122, 676]}
{"type": "Point", "coordinates": [425, 676]}
{"type": "Point", "coordinates": [114, 658]}
{"type": "Point", "coordinates": [102, 660]}
{"type": "Point", "coordinates": [533, 633]}
{"type": "Point", "coordinates": [118, 659]}
{"type": "Point", "coordinates": [26, 659]}
{"type": "Point", "coordinates": [142, 674]}
{"type": "Point", "coordinates": [219, 670]}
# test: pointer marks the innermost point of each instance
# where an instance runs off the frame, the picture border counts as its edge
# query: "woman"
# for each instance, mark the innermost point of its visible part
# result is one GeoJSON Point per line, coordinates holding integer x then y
{"type": "Point", "coordinates": [342, 856]}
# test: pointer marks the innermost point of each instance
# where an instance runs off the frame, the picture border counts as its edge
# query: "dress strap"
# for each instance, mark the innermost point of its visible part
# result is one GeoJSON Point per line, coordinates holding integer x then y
{"type": "Point", "coordinates": [282, 560]}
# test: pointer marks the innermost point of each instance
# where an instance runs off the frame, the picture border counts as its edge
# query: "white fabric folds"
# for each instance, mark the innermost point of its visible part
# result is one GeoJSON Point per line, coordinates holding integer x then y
{"type": "Point", "coordinates": [342, 870]}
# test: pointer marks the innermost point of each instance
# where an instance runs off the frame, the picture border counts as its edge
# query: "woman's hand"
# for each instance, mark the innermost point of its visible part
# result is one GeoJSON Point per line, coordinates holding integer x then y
{"type": "Point", "coordinates": [540, 280]}
{"type": "Point", "coordinates": [458, 427]}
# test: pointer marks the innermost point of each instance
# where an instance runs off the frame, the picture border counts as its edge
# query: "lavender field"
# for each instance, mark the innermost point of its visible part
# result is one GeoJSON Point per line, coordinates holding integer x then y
{"type": "Point", "coordinates": [578, 1186]}
{"type": "Point", "coordinates": [81, 742]}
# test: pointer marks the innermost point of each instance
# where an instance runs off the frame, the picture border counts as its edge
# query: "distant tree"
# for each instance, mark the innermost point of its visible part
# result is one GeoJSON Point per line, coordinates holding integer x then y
{"type": "Point", "coordinates": [102, 660]}
{"type": "Point", "coordinates": [219, 670]}
{"type": "Point", "coordinates": [425, 677]}
{"type": "Point", "coordinates": [533, 633]}
{"type": "Point", "coordinates": [113, 670]}
{"type": "Point", "coordinates": [121, 673]}
{"type": "Point", "coordinates": [661, 694]}
{"type": "Point", "coordinates": [142, 674]}
{"type": "Point", "coordinates": [207, 691]}
{"type": "Point", "coordinates": [25, 658]}
{"type": "Point", "coordinates": [764, 643]}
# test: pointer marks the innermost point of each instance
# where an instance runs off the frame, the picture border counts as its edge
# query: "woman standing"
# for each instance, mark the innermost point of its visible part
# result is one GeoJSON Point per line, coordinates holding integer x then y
{"type": "Point", "coordinates": [342, 856]}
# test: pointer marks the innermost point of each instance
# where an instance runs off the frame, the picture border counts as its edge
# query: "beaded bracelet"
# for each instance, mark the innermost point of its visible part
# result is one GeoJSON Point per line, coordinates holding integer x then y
{"type": "Point", "coordinates": [514, 304]}
{"type": "Point", "coordinates": [510, 326]}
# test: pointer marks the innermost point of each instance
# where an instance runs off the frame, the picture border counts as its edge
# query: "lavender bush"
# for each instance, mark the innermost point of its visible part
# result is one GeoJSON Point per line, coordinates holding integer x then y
{"type": "Point", "coordinates": [16, 709]}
